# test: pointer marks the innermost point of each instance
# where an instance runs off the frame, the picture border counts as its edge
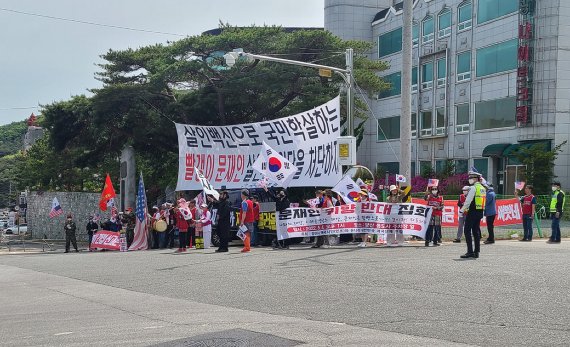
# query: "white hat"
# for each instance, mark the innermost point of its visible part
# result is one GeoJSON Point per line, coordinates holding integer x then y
{"type": "Point", "coordinates": [392, 187]}
{"type": "Point", "coordinates": [474, 173]}
{"type": "Point", "coordinates": [203, 205]}
{"type": "Point", "coordinates": [465, 188]}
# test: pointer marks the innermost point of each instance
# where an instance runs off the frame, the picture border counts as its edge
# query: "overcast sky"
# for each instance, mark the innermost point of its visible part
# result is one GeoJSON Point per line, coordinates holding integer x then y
{"type": "Point", "coordinates": [44, 60]}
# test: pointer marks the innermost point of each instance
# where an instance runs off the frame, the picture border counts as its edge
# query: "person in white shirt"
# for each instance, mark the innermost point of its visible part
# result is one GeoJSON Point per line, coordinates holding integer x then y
{"type": "Point", "coordinates": [206, 220]}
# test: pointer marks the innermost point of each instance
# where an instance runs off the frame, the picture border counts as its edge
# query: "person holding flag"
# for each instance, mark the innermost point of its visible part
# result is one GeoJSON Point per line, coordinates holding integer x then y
{"type": "Point", "coordinates": [436, 202]}
{"type": "Point", "coordinates": [246, 219]}
{"type": "Point", "coordinates": [528, 204]}
{"type": "Point", "coordinates": [327, 203]}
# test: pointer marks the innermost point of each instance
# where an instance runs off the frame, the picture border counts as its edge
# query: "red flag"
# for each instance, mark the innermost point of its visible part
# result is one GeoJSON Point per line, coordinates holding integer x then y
{"type": "Point", "coordinates": [108, 193]}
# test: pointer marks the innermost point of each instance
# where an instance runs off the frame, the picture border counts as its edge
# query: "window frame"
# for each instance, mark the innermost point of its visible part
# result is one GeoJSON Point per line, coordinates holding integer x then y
{"type": "Point", "coordinates": [414, 131]}
{"type": "Point", "coordinates": [495, 45]}
{"type": "Point", "coordinates": [463, 127]}
{"type": "Point", "coordinates": [467, 24]}
{"type": "Point", "coordinates": [384, 129]}
{"type": "Point", "coordinates": [426, 131]}
{"type": "Point", "coordinates": [441, 81]}
{"type": "Point", "coordinates": [386, 33]}
{"type": "Point", "coordinates": [428, 84]}
{"type": "Point", "coordinates": [512, 98]}
{"type": "Point", "coordinates": [445, 32]}
{"type": "Point", "coordinates": [439, 131]}
{"type": "Point", "coordinates": [393, 95]}
{"type": "Point", "coordinates": [429, 37]}
{"type": "Point", "coordinates": [415, 41]}
{"type": "Point", "coordinates": [498, 16]}
{"type": "Point", "coordinates": [463, 76]}
{"type": "Point", "coordinates": [415, 86]}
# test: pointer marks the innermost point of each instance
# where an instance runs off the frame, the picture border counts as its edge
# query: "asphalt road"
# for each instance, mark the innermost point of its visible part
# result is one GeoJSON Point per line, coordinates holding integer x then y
{"type": "Point", "coordinates": [515, 294]}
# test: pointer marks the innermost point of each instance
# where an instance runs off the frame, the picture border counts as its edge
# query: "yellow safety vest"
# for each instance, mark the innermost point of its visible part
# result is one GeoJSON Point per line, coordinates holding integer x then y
{"type": "Point", "coordinates": [554, 201]}
{"type": "Point", "coordinates": [480, 196]}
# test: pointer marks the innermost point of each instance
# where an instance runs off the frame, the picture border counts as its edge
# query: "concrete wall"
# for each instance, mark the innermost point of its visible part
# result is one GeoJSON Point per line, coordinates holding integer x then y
{"type": "Point", "coordinates": [80, 205]}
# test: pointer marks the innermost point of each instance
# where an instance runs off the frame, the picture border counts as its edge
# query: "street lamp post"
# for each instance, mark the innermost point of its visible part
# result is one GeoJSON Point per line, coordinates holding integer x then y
{"type": "Point", "coordinates": [346, 74]}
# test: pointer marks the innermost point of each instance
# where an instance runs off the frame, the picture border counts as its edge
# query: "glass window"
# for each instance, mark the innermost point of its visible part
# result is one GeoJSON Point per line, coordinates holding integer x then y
{"type": "Point", "coordinates": [415, 35]}
{"type": "Point", "coordinates": [389, 128]}
{"type": "Point", "coordinates": [498, 113]}
{"type": "Point", "coordinates": [465, 17]}
{"type": "Point", "coordinates": [462, 118]}
{"type": "Point", "coordinates": [444, 24]}
{"type": "Point", "coordinates": [427, 30]}
{"type": "Point", "coordinates": [461, 166]}
{"type": "Point", "coordinates": [425, 167]}
{"type": "Point", "coordinates": [440, 165]}
{"type": "Point", "coordinates": [497, 58]}
{"type": "Point", "coordinates": [413, 169]}
{"type": "Point", "coordinates": [427, 75]}
{"type": "Point", "coordinates": [426, 123]}
{"type": "Point", "coordinates": [440, 121]}
{"type": "Point", "coordinates": [415, 79]}
{"type": "Point", "coordinates": [414, 124]}
{"type": "Point", "coordinates": [482, 165]}
{"type": "Point", "coordinates": [388, 167]}
{"type": "Point", "coordinates": [390, 42]}
{"type": "Point", "coordinates": [491, 9]}
{"type": "Point", "coordinates": [464, 66]}
{"type": "Point", "coordinates": [395, 81]}
{"type": "Point", "coordinates": [441, 72]}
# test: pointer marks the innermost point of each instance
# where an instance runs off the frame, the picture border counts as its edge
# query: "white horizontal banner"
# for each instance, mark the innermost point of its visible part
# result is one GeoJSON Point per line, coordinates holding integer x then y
{"type": "Point", "coordinates": [225, 154]}
{"type": "Point", "coordinates": [355, 218]}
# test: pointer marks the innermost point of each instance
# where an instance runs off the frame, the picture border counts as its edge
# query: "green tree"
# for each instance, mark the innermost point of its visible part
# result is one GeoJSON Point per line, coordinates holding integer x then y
{"type": "Point", "coordinates": [145, 90]}
{"type": "Point", "coordinates": [539, 165]}
{"type": "Point", "coordinates": [11, 137]}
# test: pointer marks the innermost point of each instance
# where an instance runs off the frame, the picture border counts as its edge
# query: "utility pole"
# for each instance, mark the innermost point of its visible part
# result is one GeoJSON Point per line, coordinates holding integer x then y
{"type": "Point", "coordinates": [350, 91]}
{"type": "Point", "coordinates": [406, 109]}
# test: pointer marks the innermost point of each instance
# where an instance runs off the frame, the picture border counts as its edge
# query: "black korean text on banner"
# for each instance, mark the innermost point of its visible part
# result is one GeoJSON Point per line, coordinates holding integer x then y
{"type": "Point", "coordinates": [225, 154]}
{"type": "Point", "coordinates": [365, 217]}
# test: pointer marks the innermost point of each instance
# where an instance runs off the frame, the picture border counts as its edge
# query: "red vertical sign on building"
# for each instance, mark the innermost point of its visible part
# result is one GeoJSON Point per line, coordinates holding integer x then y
{"type": "Point", "coordinates": [525, 60]}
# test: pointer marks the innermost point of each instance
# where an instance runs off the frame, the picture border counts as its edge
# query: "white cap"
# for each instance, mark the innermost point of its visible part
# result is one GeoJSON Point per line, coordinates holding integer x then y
{"type": "Point", "coordinates": [392, 187]}
{"type": "Point", "coordinates": [465, 188]}
{"type": "Point", "coordinates": [203, 205]}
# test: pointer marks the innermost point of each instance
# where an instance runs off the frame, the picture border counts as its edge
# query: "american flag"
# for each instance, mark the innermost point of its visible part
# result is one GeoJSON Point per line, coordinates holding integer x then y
{"type": "Point", "coordinates": [56, 209]}
{"type": "Point", "coordinates": [141, 226]}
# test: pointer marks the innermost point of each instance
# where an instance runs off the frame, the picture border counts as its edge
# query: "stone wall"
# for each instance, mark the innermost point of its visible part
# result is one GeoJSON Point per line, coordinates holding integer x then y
{"type": "Point", "coordinates": [80, 205]}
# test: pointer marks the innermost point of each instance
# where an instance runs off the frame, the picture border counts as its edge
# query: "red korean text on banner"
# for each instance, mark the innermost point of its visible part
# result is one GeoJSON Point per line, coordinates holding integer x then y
{"type": "Point", "coordinates": [509, 212]}
{"type": "Point", "coordinates": [105, 239]}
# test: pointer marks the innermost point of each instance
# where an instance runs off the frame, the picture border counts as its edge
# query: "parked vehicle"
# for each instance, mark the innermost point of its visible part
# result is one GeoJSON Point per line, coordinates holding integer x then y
{"type": "Point", "coordinates": [14, 229]}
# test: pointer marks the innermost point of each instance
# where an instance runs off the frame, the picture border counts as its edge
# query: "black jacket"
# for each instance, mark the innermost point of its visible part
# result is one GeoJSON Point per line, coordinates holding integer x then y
{"type": "Point", "coordinates": [224, 212]}
{"type": "Point", "coordinates": [280, 204]}
{"type": "Point", "coordinates": [91, 227]}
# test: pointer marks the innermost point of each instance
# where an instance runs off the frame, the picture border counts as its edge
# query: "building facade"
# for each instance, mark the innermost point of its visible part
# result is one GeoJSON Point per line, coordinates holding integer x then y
{"type": "Point", "coordinates": [489, 76]}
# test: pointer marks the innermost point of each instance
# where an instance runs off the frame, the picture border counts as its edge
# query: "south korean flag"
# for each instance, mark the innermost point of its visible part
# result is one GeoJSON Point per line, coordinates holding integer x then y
{"type": "Point", "coordinates": [274, 166]}
{"type": "Point", "coordinates": [348, 190]}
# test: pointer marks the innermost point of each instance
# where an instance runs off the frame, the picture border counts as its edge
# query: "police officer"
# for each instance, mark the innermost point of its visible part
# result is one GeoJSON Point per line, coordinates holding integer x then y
{"type": "Point", "coordinates": [556, 208]}
{"type": "Point", "coordinates": [474, 204]}
{"type": "Point", "coordinates": [70, 229]}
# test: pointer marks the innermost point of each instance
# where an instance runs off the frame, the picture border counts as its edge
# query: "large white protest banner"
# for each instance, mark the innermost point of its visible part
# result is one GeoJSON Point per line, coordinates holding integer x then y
{"type": "Point", "coordinates": [366, 217]}
{"type": "Point", "coordinates": [225, 154]}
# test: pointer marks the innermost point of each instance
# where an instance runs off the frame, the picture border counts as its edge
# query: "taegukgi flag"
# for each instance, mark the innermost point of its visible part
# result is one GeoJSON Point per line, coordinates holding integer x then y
{"type": "Point", "coordinates": [274, 166]}
{"type": "Point", "coordinates": [401, 178]}
{"type": "Point", "coordinates": [348, 189]}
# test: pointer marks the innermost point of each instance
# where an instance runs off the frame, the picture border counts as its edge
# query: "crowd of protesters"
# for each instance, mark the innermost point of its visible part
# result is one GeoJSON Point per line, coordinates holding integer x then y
{"type": "Point", "coordinates": [192, 224]}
